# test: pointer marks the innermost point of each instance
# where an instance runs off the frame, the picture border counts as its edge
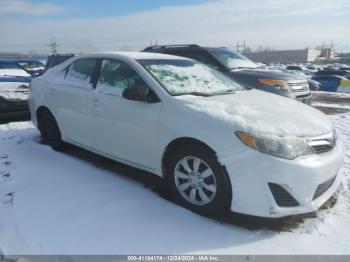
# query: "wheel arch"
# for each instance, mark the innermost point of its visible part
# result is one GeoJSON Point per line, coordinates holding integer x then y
{"type": "Point", "coordinates": [178, 143]}
{"type": "Point", "coordinates": [41, 109]}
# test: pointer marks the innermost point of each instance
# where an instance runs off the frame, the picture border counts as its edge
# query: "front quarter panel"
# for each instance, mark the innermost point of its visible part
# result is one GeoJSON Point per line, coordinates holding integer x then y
{"type": "Point", "coordinates": [178, 121]}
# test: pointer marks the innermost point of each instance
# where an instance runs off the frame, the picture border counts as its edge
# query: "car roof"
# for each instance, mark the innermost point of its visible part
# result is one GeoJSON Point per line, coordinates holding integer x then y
{"type": "Point", "coordinates": [139, 55]}
{"type": "Point", "coordinates": [179, 47]}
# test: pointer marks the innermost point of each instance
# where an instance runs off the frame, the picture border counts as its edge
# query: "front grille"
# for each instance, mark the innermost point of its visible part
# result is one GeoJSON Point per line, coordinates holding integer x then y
{"type": "Point", "coordinates": [324, 143]}
{"type": "Point", "coordinates": [303, 96]}
{"type": "Point", "coordinates": [322, 148]}
{"type": "Point", "coordinates": [282, 197]}
{"type": "Point", "coordinates": [322, 188]}
{"type": "Point", "coordinates": [299, 85]}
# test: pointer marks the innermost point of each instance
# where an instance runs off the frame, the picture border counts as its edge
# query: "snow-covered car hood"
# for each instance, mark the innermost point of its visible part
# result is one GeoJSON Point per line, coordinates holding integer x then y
{"type": "Point", "coordinates": [14, 90]}
{"type": "Point", "coordinates": [268, 74]}
{"type": "Point", "coordinates": [13, 72]}
{"type": "Point", "coordinates": [258, 112]}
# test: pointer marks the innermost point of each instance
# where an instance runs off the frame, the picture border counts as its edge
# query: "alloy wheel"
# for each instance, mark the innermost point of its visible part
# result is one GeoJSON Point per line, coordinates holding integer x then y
{"type": "Point", "coordinates": [195, 180]}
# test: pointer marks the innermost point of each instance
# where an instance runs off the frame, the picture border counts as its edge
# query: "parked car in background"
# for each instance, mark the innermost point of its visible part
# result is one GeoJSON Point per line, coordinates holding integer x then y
{"type": "Point", "coordinates": [10, 68]}
{"type": "Point", "coordinates": [327, 72]}
{"type": "Point", "coordinates": [242, 70]}
{"type": "Point", "coordinates": [54, 60]}
{"type": "Point", "coordinates": [32, 67]}
{"type": "Point", "coordinates": [333, 83]}
{"type": "Point", "coordinates": [313, 84]}
{"type": "Point", "coordinates": [218, 145]}
{"type": "Point", "coordinates": [14, 84]}
{"type": "Point", "coordinates": [312, 68]}
{"type": "Point", "coordinates": [298, 68]}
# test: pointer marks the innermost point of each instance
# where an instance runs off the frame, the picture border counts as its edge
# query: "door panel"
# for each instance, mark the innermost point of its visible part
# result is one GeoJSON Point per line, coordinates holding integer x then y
{"type": "Point", "coordinates": [75, 100]}
{"type": "Point", "coordinates": [124, 129]}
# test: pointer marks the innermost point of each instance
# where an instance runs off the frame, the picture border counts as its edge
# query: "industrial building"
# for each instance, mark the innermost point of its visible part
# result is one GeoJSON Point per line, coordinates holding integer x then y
{"type": "Point", "coordinates": [293, 56]}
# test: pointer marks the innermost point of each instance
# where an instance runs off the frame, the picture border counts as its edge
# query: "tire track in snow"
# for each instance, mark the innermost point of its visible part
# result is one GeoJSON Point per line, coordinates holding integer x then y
{"type": "Point", "coordinates": [5, 177]}
{"type": "Point", "coordinates": [7, 199]}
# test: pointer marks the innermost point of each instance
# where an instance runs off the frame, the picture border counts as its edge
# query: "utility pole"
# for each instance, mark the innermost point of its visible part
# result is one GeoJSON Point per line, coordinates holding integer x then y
{"type": "Point", "coordinates": [154, 44]}
{"type": "Point", "coordinates": [53, 46]}
{"type": "Point", "coordinates": [241, 47]}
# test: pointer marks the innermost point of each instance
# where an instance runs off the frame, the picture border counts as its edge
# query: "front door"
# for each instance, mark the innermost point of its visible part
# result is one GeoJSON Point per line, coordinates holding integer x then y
{"type": "Point", "coordinates": [125, 129]}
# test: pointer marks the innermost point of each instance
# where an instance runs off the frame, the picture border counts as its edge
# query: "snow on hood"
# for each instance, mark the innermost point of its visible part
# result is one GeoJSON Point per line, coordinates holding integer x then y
{"type": "Point", "coordinates": [14, 91]}
{"type": "Point", "coordinates": [262, 113]}
{"type": "Point", "coordinates": [13, 72]}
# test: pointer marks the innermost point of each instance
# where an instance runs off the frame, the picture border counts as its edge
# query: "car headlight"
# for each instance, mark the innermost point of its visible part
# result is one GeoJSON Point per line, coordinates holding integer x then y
{"type": "Point", "coordinates": [283, 147]}
{"type": "Point", "coordinates": [278, 84]}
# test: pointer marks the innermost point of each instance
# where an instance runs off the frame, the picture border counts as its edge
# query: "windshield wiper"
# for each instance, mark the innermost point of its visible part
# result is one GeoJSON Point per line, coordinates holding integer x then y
{"type": "Point", "coordinates": [193, 94]}
{"type": "Point", "coordinates": [231, 91]}
{"type": "Point", "coordinates": [242, 67]}
{"type": "Point", "coordinates": [227, 92]}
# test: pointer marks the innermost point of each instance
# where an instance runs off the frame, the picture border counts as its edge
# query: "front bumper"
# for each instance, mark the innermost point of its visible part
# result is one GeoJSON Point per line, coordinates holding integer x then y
{"type": "Point", "coordinates": [251, 172]}
{"type": "Point", "coordinates": [13, 108]}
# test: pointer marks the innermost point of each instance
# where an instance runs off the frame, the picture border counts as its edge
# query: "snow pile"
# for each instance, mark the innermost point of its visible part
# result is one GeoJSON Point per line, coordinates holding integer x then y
{"type": "Point", "coordinates": [331, 105]}
{"type": "Point", "coordinates": [330, 96]}
{"type": "Point", "coordinates": [65, 203]}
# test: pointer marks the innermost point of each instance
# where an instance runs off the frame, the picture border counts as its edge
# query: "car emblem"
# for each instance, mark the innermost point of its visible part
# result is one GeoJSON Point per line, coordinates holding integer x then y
{"type": "Point", "coordinates": [333, 140]}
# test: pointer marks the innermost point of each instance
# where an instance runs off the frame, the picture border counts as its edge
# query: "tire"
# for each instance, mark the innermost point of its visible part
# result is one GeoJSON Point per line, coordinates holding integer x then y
{"type": "Point", "coordinates": [178, 178]}
{"type": "Point", "coordinates": [49, 130]}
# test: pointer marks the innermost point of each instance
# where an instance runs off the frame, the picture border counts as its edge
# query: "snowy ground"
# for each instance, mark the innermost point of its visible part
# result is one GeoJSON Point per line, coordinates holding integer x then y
{"type": "Point", "coordinates": [331, 102]}
{"type": "Point", "coordinates": [78, 203]}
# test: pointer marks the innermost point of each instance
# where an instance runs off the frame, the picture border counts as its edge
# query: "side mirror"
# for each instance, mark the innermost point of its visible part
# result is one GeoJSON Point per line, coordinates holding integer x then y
{"type": "Point", "coordinates": [140, 93]}
{"type": "Point", "coordinates": [38, 73]}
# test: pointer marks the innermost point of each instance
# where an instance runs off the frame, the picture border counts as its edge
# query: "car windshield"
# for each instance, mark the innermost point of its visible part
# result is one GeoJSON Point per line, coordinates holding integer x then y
{"type": "Point", "coordinates": [181, 77]}
{"type": "Point", "coordinates": [231, 59]}
{"type": "Point", "coordinates": [30, 65]}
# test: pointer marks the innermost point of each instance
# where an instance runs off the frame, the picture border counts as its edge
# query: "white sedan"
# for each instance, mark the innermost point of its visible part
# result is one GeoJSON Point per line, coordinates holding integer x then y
{"type": "Point", "coordinates": [218, 146]}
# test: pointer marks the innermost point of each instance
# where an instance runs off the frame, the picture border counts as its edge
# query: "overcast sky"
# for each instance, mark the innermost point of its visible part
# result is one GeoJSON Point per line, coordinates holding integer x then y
{"type": "Point", "coordinates": [100, 25]}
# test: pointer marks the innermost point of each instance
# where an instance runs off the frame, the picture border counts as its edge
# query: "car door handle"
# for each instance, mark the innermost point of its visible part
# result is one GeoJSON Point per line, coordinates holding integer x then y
{"type": "Point", "coordinates": [51, 91]}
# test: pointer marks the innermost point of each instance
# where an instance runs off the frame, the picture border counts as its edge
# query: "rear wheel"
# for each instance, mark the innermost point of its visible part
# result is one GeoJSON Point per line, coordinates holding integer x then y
{"type": "Point", "coordinates": [198, 181]}
{"type": "Point", "coordinates": [49, 130]}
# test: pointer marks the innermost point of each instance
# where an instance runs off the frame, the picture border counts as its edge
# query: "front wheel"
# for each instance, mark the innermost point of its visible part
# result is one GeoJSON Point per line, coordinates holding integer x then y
{"type": "Point", "coordinates": [198, 181]}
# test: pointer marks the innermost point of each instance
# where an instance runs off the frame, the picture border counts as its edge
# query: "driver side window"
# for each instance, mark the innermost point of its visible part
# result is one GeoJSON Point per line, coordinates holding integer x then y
{"type": "Point", "coordinates": [115, 76]}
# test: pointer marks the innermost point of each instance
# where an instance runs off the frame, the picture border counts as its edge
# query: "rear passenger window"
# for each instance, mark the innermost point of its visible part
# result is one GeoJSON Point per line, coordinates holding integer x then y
{"type": "Point", "coordinates": [79, 73]}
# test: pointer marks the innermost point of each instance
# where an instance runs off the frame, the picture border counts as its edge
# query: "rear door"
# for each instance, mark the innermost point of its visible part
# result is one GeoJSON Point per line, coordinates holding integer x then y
{"type": "Point", "coordinates": [74, 100]}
